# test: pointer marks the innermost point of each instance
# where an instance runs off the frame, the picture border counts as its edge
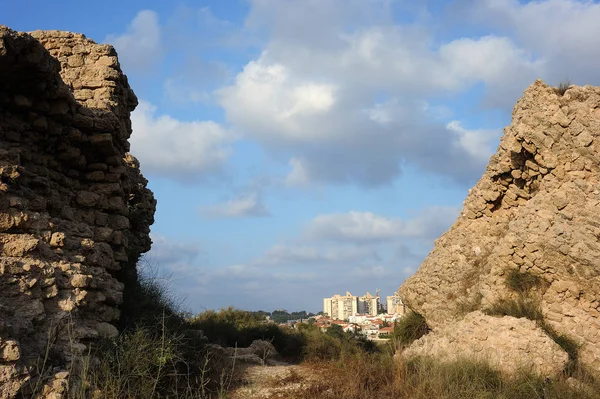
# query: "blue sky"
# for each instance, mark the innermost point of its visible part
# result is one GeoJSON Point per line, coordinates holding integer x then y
{"type": "Point", "coordinates": [302, 148]}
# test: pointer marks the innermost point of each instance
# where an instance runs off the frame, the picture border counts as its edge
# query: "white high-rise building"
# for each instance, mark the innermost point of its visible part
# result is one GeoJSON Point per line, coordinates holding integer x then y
{"type": "Point", "coordinates": [395, 304]}
{"type": "Point", "coordinates": [369, 304]}
{"type": "Point", "coordinates": [340, 307]}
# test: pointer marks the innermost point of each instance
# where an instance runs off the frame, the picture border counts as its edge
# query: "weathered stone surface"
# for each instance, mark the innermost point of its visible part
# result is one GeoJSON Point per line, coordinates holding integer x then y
{"type": "Point", "coordinates": [536, 209]}
{"type": "Point", "coordinates": [67, 240]}
{"type": "Point", "coordinates": [259, 352]}
{"type": "Point", "coordinates": [498, 340]}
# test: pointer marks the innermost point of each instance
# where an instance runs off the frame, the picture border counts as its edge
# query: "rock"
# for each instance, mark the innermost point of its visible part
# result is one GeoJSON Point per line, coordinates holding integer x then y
{"type": "Point", "coordinates": [544, 225]}
{"type": "Point", "coordinates": [9, 351]}
{"type": "Point", "coordinates": [64, 218]}
{"type": "Point", "coordinates": [259, 352]}
{"type": "Point", "coordinates": [263, 349]}
{"type": "Point", "coordinates": [506, 342]}
{"type": "Point", "coordinates": [107, 330]}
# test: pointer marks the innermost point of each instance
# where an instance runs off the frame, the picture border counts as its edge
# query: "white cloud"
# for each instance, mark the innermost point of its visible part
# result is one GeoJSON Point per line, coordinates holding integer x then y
{"type": "Point", "coordinates": [372, 271]}
{"type": "Point", "coordinates": [243, 206]}
{"type": "Point", "coordinates": [167, 146]}
{"type": "Point", "coordinates": [317, 99]}
{"type": "Point", "coordinates": [269, 101]}
{"type": "Point", "coordinates": [558, 31]}
{"type": "Point", "coordinates": [354, 226]}
{"type": "Point", "coordinates": [298, 176]}
{"type": "Point", "coordinates": [167, 251]}
{"type": "Point", "coordinates": [476, 143]}
{"type": "Point", "coordinates": [290, 255]}
{"type": "Point", "coordinates": [367, 227]}
{"type": "Point", "coordinates": [141, 45]}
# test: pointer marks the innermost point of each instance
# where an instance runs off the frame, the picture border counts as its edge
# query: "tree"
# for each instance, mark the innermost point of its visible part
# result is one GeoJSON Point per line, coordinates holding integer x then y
{"type": "Point", "coordinates": [335, 330]}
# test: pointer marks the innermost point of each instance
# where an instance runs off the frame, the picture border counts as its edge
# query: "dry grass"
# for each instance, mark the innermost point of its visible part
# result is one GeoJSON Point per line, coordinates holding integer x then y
{"type": "Point", "coordinates": [380, 376]}
{"type": "Point", "coordinates": [522, 307]}
{"type": "Point", "coordinates": [410, 328]}
{"type": "Point", "coordinates": [522, 283]}
{"type": "Point", "coordinates": [562, 87]}
{"type": "Point", "coordinates": [158, 355]}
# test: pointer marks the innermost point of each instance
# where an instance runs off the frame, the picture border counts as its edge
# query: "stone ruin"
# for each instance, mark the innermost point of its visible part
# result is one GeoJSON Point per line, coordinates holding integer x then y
{"type": "Point", "coordinates": [74, 208]}
{"type": "Point", "coordinates": [534, 212]}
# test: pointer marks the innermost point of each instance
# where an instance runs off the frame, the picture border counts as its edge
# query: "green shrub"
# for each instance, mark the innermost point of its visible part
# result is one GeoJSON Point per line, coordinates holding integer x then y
{"type": "Point", "coordinates": [320, 346]}
{"type": "Point", "coordinates": [234, 327]}
{"type": "Point", "coordinates": [409, 328]}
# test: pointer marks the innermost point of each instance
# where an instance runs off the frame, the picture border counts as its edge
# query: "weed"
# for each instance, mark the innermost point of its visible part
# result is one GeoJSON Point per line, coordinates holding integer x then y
{"type": "Point", "coordinates": [562, 87]}
{"type": "Point", "coordinates": [522, 283]}
{"type": "Point", "coordinates": [518, 308]}
{"type": "Point", "coordinates": [410, 328]}
{"type": "Point", "coordinates": [469, 304]}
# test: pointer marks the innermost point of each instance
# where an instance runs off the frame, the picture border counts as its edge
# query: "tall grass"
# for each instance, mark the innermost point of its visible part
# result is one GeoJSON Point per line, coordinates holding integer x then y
{"type": "Point", "coordinates": [159, 354]}
{"type": "Point", "coordinates": [410, 328]}
{"type": "Point", "coordinates": [383, 377]}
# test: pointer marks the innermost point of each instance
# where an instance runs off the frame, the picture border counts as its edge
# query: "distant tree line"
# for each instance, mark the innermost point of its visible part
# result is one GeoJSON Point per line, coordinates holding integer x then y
{"type": "Point", "coordinates": [283, 316]}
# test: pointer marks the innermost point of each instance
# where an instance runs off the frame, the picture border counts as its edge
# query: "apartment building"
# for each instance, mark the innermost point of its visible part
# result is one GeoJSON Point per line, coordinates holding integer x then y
{"type": "Point", "coordinates": [340, 307]}
{"type": "Point", "coordinates": [369, 304]}
{"type": "Point", "coordinates": [395, 304]}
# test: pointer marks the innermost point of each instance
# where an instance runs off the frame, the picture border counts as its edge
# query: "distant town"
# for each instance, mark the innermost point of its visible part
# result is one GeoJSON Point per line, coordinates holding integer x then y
{"type": "Point", "coordinates": [366, 315]}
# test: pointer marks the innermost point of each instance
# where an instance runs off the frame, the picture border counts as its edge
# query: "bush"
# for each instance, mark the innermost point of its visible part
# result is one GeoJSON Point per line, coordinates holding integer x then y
{"type": "Point", "coordinates": [234, 327]}
{"type": "Point", "coordinates": [410, 328]}
{"type": "Point", "coordinates": [562, 87]}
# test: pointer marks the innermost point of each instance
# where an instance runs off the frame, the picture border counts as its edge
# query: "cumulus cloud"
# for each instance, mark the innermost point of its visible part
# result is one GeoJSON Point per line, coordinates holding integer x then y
{"type": "Point", "coordinates": [248, 205]}
{"type": "Point", "coordinates": [350, 104]}
{"type": "Point", "coordinates": [475, 142]}
{"type": "Point", "coordinates": [184, 150]}
{"type": "Point", "coordinates": [168, 251]}
{"type": "Point", "coordinates": [367, 227]}
{"type": "Point", "coordinates": [141, 45]}
{"type": "Point", "coordinates": [302, 254]}
{"type": "Point", "coordinates": [558, 31]}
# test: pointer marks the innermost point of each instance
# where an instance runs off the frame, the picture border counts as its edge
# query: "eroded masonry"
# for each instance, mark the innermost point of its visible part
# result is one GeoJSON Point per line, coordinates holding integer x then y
{"type": "Point", "coordinates": [74, 209]}
{"type": "Point", "coordinates": [529, 237]}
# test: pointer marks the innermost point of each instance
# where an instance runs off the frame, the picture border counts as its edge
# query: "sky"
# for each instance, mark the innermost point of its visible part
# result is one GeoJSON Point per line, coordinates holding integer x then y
{"type": "Point", "coordinates": [303, 148]}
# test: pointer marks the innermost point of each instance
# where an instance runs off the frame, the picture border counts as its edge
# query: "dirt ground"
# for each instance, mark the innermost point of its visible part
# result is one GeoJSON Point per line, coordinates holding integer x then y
{"type": "Point", "coordinates": [277, 380]}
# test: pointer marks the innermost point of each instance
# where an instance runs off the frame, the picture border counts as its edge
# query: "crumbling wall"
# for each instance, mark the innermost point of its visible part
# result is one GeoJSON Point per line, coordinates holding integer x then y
{"type": "Point", "coordinates": [74, 208]}
{"type": "Point", "coordinates": [535, 211]}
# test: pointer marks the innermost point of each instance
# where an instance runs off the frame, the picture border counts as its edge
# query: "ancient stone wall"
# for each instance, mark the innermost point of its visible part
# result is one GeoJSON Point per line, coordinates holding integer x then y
{"type": "Point", "coordinates": [74, 209]}
{"type": "Point", "coordinates": [535, 211]}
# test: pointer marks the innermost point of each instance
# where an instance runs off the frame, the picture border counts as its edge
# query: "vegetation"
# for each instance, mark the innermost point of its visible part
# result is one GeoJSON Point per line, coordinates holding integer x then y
{"type": "Point", "coordinates": [158, 355]}
{"type": "Point", "coordinates": [518, 308]}
{"type": "Point", "coordinates": [522, 283]}
{"type": "Point", "coordinates": [162, 354]}
{"type": "Point", "coordinates": [410, 328]}
{"type": "Point", "coordinates": [233, 327]}
{"type": "Point", "coordinates": [380, 375]}
{"type": "Point", "coordinates": [562, 87]}
{"type": "Point", "coordinates": [528, 307]}
{"type": "Point", "coordinates": [282, 316]}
